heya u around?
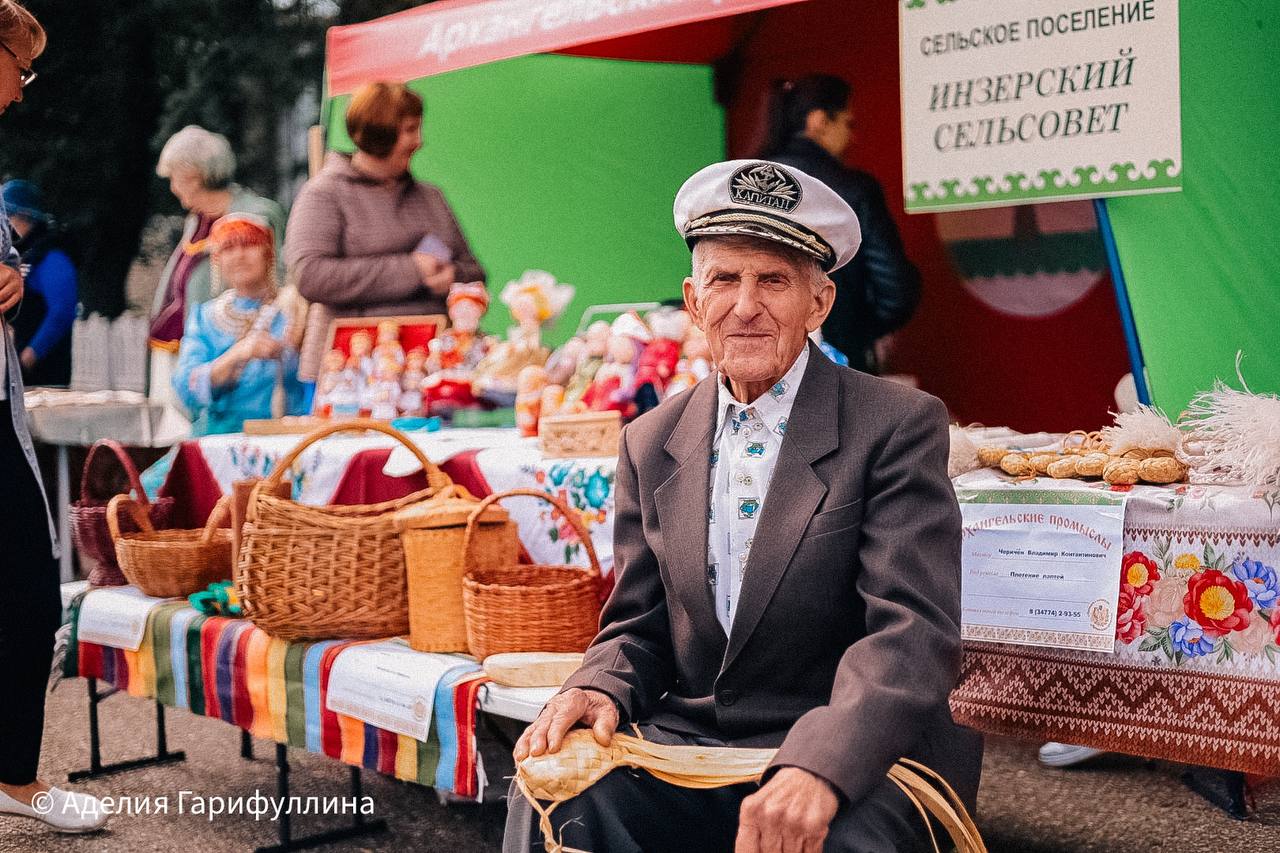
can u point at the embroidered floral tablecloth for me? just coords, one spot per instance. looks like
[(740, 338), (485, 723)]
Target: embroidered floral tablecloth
[(585, 485), (1195, 676)]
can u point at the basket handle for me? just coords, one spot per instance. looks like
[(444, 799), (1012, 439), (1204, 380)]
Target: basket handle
[(454, 490), (219, 515), (134, 508), (571, 517), (135, 482), (436, 478)]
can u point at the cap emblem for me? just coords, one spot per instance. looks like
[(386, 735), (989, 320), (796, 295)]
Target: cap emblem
[(765, 185)]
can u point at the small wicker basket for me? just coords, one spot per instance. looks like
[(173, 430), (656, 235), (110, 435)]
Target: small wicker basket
[(314, 573), (434, 537), (582, 434), (89, 532), (170, 563), (534, 608)]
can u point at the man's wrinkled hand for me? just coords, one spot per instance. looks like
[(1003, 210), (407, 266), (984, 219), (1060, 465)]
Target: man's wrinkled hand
[(792, 813), (565, 710)]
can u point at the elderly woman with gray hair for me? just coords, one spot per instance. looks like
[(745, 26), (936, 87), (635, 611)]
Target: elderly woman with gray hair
[(199, 165)]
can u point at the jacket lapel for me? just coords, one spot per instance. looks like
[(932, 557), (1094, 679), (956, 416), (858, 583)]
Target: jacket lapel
[(813, 431), (682, 502)]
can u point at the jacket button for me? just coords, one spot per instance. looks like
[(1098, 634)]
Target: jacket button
[(727, 696)]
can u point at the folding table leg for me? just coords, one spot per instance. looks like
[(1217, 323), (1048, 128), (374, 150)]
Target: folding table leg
[(96, 767), (1225, 789), (359, 826)]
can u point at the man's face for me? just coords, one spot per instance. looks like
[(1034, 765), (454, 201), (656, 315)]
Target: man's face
[(756, 307)]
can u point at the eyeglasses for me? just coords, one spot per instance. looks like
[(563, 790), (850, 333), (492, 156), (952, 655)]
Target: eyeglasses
[(25, 75)]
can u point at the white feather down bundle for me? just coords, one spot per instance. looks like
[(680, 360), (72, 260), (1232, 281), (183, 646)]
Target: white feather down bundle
[(963, 457), (1232, 436), (1146, 427)]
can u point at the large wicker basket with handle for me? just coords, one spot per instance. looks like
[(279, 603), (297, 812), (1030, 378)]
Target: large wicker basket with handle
[(168, 563), (89, 531), (531, 608), (316, 573)]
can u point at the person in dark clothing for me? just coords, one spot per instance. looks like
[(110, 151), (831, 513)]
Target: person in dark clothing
[(810, 126), (42, 331), (28, 543)]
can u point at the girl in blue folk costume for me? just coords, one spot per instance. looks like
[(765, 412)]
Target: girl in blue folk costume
[(239, 353)]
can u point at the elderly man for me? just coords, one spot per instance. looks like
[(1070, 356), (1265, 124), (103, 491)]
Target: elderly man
[(788, 556)]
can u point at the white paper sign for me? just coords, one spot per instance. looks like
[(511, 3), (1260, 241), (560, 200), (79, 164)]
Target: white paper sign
[(1017, 101), (1041, 573), (115, 617), (388, 685)]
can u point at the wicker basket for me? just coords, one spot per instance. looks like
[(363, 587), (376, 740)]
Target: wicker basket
[(327, 572), (580, 434), (434, 535), (89, 532), (170, 563), (538, 608)]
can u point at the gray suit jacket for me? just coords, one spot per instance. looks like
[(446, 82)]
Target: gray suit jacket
[(846, 640)]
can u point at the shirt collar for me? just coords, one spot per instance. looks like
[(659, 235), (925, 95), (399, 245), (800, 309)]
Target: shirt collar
[(772, 405)]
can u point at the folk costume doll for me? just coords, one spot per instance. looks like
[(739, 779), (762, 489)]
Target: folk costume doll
[(338, 390), (694, 365), (535, 300), (529, 387), (452, 357), (382, 395), (411, 382), (658, 361), (388, 345), (614, 387), (597, 344), (361, 354)]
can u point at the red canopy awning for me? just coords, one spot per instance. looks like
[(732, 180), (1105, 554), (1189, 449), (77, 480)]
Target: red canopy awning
[(456, 34)]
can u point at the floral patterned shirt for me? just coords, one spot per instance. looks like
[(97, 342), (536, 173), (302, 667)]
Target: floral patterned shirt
[(744, 452)]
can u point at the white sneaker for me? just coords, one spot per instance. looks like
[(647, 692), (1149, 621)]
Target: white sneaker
[(65, 811), (1054, 754)]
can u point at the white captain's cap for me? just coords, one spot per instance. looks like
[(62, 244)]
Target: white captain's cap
[(758, 198)]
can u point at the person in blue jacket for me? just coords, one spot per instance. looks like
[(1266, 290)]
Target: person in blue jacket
[(42, 331), (239, 354)]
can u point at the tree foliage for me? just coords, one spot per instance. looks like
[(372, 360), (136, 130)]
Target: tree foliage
[(119, 76)]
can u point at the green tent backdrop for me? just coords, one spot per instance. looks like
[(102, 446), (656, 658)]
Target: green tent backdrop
[(567, 164), (611, 140), (1203, 265)]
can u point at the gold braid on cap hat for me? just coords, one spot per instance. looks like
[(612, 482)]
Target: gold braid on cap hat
[(793, 234)]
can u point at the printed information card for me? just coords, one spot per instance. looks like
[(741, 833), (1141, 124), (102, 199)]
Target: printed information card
[(389, 685), (1041, 571)]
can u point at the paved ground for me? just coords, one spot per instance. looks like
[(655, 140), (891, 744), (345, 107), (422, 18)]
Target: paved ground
[(1116, 805)]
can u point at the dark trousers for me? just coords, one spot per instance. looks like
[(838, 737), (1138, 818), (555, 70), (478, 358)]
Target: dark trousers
[(634, 812), (30, 610)]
